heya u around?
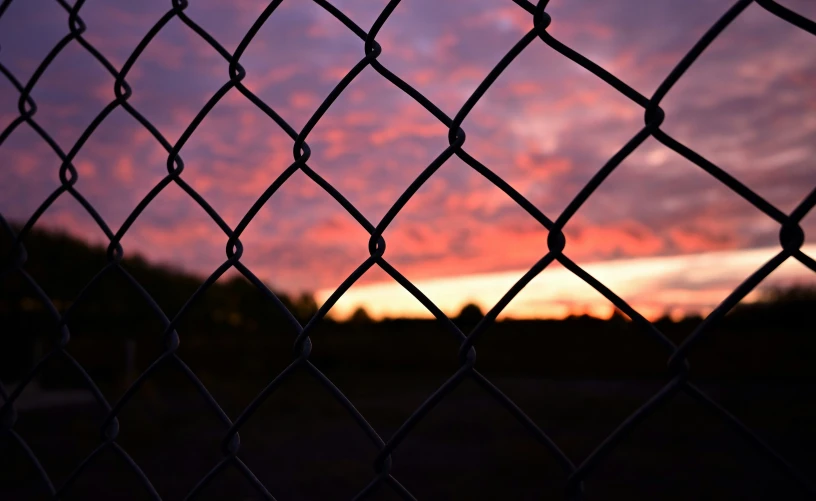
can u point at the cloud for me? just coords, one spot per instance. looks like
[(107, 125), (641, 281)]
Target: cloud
[(546, 126)]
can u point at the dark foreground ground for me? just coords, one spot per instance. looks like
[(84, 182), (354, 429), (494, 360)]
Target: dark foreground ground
[(303, 446)]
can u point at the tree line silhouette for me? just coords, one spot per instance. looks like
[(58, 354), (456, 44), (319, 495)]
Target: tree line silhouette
[(233, 332)]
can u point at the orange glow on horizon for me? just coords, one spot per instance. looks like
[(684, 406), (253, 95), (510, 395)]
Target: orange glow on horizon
[(654, 286)]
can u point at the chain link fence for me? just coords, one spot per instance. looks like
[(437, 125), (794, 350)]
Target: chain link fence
[(791, 238)]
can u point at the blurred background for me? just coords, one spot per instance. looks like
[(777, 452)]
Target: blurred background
[(668, 238)]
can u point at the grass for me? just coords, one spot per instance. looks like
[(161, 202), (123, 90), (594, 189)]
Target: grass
[(303, 445)]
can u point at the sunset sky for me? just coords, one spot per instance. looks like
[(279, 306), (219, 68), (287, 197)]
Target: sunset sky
[(660, 232)]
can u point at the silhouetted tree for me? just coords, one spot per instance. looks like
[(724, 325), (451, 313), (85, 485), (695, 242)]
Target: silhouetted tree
[(469, 316), (360, 316), (304, 307), (767, 338), (618, 318), (795, 294)]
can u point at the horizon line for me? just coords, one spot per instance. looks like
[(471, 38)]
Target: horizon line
[(677, 285)]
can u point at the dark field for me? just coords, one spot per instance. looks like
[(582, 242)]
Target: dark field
[(578, 379), (303, 445)]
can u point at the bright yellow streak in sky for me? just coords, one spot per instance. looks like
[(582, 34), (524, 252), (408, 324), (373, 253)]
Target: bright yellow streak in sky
[(692, 283)]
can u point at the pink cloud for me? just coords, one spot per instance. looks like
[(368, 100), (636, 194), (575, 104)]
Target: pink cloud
[(303, 100), (124, 170), (86, 170), (546, 126), (625, 238)]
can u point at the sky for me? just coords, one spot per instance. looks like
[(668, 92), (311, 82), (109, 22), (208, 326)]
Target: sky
[(666, 235)]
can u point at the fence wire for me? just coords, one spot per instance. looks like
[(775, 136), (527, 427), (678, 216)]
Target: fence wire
[(791, 238)]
